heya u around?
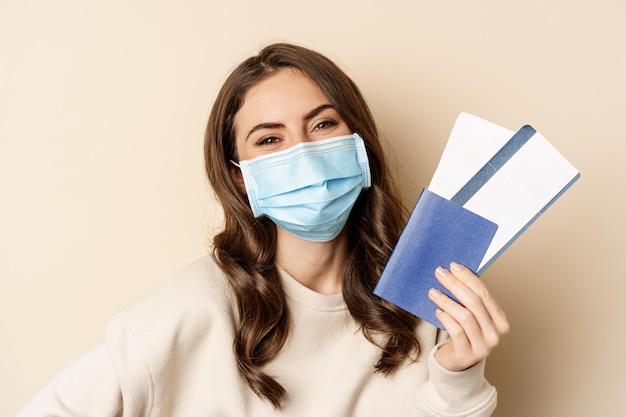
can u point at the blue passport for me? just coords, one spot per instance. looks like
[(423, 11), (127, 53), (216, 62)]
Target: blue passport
[(437, 233)]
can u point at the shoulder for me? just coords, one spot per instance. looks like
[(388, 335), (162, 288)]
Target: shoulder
[(153, 339), (185, 306), (199, 285)]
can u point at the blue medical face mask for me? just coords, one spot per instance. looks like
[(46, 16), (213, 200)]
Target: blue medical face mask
[(310, 188)]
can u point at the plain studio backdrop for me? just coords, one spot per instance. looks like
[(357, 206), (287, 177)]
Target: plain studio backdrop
[(102, 111)]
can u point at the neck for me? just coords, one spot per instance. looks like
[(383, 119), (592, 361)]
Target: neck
[(316, 265)]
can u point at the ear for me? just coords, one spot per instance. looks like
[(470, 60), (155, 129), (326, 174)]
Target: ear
[(235, 174)]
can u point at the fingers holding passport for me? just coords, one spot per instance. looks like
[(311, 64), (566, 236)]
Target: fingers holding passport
[(475, 326)]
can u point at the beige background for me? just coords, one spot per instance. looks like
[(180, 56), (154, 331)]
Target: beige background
[(102, 111)]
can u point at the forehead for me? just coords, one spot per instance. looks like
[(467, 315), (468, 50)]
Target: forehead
[(284, 94)]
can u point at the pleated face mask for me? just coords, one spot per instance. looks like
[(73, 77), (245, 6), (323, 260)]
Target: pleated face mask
[(309, 189)]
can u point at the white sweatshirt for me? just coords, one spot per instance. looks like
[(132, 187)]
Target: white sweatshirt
[(170, 354)]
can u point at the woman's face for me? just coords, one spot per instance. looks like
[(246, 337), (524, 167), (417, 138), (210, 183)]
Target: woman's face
[(281, 111)]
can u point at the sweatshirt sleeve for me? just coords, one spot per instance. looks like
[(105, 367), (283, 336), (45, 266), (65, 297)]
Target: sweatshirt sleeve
[(88, 387), (113, 380), (455, 394)]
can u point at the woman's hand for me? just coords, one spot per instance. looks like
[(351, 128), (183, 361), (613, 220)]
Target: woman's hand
[(475, 326)]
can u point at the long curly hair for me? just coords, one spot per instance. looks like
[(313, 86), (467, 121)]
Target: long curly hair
[(245, 249)]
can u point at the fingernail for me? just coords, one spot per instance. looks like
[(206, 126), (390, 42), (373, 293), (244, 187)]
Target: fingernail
[(434, 293), (455, 266), (441, 271)]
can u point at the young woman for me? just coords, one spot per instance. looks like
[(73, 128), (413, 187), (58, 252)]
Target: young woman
[(281, 320)]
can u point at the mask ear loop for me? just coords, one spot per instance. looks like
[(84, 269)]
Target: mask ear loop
[(235, 163)]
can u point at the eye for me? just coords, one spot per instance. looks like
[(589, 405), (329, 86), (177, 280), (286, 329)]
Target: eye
[(325, 124), (267, 140)]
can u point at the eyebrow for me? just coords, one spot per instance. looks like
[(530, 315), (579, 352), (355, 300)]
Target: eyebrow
[(274, 125)]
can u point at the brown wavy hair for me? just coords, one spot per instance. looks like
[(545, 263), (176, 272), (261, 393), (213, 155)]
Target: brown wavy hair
[(245, 249)]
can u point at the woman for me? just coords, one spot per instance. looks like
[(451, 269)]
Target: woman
[(282, 319)]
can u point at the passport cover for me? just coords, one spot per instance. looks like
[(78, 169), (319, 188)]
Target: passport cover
[(437, 233)]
